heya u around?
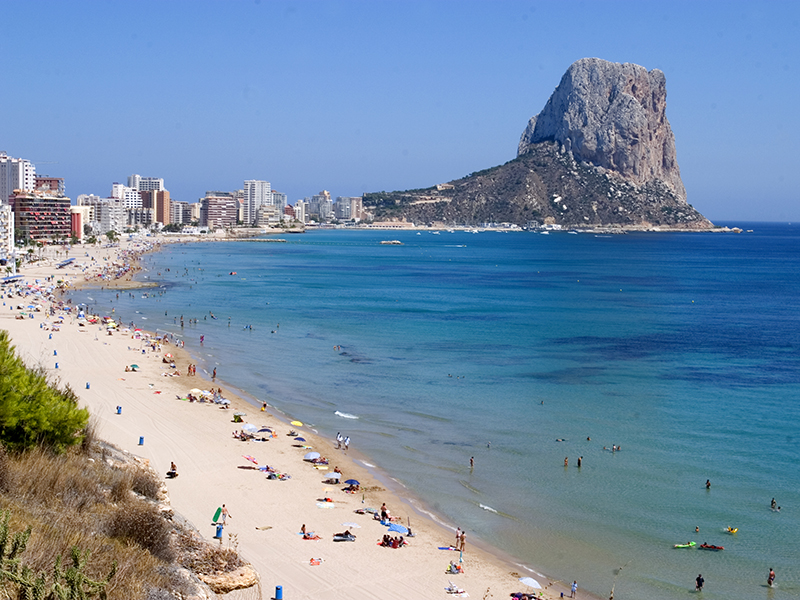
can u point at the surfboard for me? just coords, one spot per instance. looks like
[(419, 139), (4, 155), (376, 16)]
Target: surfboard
[(217, 514)]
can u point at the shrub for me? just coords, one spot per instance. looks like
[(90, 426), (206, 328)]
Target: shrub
[(142, 524)]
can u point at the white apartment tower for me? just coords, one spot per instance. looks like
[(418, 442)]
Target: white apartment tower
[(15, 174), (146, 184), (256, 194), (130, 196)]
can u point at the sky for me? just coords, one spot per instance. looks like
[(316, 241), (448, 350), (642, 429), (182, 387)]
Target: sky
[(356, 97)]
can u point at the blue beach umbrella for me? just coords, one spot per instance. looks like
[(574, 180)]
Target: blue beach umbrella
[(352, 482), (398, 528), (263, 429), (311, 456), (299, 439)]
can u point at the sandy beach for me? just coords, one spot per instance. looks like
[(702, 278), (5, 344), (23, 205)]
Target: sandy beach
[(266, 515)]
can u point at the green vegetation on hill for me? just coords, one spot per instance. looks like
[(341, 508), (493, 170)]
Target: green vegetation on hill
[(33, 412)]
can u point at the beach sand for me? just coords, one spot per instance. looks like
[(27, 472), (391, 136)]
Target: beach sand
[(265, 515)]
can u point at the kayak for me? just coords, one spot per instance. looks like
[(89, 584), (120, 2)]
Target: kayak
[(689, 545), (731, 529), (711, 547)]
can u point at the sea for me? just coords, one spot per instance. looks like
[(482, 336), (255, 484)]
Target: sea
[(528, 352)]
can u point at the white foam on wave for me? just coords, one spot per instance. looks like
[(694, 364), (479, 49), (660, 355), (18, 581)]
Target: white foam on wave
[(489, 508), (366, 464), (345, 415)]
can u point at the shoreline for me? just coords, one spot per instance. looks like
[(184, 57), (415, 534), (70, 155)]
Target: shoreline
[(494, 566)]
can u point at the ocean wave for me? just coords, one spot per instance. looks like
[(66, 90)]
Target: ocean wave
[(344, 415), (489, 508), (366, 464)]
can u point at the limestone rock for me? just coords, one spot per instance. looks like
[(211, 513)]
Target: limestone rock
[(222, 583), (613, 116)]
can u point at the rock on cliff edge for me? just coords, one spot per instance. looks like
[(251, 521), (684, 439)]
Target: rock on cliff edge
[(611, 115)]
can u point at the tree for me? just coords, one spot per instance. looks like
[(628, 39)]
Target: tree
[(87, 229), (112, 236), (73, 238), (32, 411), (91, 239)]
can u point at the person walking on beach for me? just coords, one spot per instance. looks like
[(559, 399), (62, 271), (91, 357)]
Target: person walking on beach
[(574, 589), (338, 441), (225, 514), (346, 443), (698, 583), (463, 541), (771, 577), (458, 538), (214, 374)]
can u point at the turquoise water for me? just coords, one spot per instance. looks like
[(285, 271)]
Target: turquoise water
[(680, 348)]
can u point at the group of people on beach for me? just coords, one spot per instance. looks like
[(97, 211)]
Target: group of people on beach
[(342, 441)]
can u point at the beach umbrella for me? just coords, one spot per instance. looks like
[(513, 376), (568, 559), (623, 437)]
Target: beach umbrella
[(195, 391), (168, 355), (249, 428), (297, 439), (351, 525), (530, 582), (239, 414), (333, 475), (134, 366), (311, 456), (402, 529), (225, 402), (296, 423), (352, 482), (263, 429)]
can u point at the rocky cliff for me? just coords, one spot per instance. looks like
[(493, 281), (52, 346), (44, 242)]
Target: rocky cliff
[(600, 153), (613, 116)]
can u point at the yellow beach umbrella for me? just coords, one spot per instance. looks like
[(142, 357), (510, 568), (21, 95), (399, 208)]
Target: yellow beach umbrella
[(296, 423)]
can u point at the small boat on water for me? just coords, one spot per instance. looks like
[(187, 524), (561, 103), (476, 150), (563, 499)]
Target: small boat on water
[(686, 545), (731, 530), (711, 547)]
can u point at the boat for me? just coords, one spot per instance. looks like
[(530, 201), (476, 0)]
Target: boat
[(686, 545), (731, 529), (711, 547), (392, 242)]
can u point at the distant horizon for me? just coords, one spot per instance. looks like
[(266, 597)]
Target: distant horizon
[(356, 97)]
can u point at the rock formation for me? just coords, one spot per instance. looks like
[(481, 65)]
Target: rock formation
[(613, 116), (601, 153)]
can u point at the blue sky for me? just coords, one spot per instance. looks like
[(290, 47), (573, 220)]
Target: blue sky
[(369, 96)]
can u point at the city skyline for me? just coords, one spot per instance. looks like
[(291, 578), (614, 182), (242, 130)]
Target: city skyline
[(359, 97)]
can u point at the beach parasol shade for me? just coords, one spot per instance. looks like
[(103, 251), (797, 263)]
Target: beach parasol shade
[(249, 428), (311, 456), (195, 391), (225, 402), (352, 482), (398, 528), (135, 366), (530, 582), (351, 525), (297, 423), (333, 475), (297, 439), (263, 429), (239, 414)]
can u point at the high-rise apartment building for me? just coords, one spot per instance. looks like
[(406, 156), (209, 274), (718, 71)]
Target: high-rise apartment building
[(15, 174), (50, 184), (300, 210), (219, 210), (257, 193), (160, 202), (131, 197), (107, 214), (6, 231), (41, 215), (146, 184)]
